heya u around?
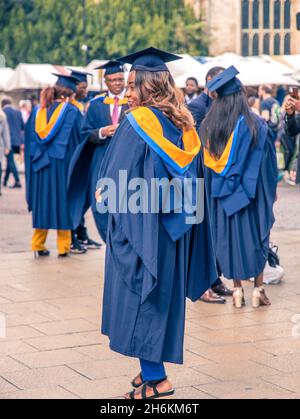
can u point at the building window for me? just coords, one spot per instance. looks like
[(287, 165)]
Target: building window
[(267, 27), (266, 14), (267, 44), (287, 44), (277, 44), (255, 45), (245, 14), (245, 45), (287, 14), (255, 11), (277, 14)]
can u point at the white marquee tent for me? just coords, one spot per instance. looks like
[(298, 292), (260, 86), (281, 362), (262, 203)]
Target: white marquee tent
[(283, 70), (253, 70), (5, 74)]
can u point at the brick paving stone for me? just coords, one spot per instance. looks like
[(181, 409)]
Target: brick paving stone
[(53, 358), (40, 393), (38, 377)]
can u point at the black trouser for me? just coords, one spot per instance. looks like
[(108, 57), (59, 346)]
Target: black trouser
[(289, 145), (218, 281), (80, 232), (11, 168)]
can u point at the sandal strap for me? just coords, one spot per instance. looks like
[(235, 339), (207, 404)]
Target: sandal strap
[(144, 391), (131, 395)]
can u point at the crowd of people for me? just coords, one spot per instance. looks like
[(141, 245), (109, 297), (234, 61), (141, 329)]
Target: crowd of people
[(271, 103), (227, 135)]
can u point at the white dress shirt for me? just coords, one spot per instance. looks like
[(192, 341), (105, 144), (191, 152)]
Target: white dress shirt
[(112, 96)]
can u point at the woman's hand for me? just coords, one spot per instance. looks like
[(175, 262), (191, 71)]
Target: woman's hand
[(292, 105), (98, 195)]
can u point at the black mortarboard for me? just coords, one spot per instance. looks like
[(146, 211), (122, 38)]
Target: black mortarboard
[(226, 83), (66, 81), (80, 75), (150, 59), (112, 67)]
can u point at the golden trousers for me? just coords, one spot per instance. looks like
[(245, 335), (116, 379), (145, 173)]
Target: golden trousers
[(63, 240)]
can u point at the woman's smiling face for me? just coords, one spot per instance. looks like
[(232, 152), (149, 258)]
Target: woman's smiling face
[(131, 92)]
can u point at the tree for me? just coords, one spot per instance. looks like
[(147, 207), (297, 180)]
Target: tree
[(54, 31)]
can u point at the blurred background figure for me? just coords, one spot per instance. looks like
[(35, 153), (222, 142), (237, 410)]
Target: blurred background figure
[(16, 128), (25, 107), (254, 104), (292, 124), (288, 143), (270, 109), (4, 142), (191, 90)]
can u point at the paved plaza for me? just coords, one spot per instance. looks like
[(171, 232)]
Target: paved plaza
[(50, 313)]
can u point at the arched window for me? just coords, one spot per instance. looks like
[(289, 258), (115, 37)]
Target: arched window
[(287, 44), (245, 45), (277, 14), (277, 41), (266, 14), (255, 11), (267, 44), (255, 45), (245, 14), (287, 14)]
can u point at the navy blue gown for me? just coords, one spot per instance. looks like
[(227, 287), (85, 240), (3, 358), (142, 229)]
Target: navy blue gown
[(153, 261), (47, 167), (86, 163), (242, 204)]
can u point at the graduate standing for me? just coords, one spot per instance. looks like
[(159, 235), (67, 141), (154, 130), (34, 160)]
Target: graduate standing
[(154, 260), (80, 239), (104, 114), (52, 134), (241, 158)]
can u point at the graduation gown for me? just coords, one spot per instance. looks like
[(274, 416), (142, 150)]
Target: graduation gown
[(153, 261), (86, 163), (242, 186), (47, 163)]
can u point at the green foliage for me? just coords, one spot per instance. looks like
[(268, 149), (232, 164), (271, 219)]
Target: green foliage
[(53, 31)]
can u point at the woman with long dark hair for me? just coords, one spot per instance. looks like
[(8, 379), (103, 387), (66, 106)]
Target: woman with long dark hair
[(241, 160), (154, 258), (52, 134)]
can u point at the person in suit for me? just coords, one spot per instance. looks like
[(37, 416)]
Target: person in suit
[(16, 128), (100, 123)]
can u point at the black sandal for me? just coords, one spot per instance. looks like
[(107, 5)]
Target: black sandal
[(156, 394), (133, 382)]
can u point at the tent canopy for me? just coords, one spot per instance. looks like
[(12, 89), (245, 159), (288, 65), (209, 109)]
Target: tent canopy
[(35, 76), (254, 71), (5, 74), (282, 70)]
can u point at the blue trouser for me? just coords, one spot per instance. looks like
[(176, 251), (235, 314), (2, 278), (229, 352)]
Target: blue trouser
[(151, 371), (11, 168)]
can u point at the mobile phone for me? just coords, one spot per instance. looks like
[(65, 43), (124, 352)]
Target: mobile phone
[(294, 93)]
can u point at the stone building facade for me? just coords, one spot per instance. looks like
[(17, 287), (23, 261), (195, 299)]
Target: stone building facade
[(250, 27)]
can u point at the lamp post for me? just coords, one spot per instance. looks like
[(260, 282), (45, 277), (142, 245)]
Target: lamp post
[(85, 47), (85, 50)]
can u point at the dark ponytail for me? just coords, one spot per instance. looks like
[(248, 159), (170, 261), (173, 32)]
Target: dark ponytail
[(50, 94)]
